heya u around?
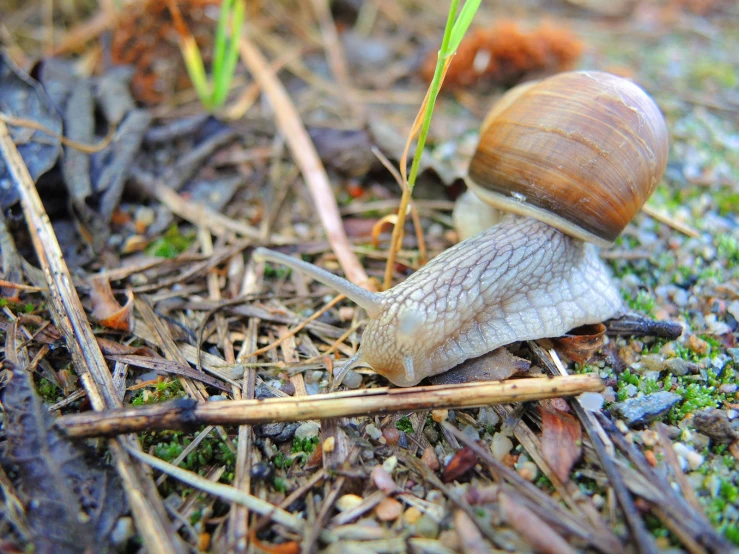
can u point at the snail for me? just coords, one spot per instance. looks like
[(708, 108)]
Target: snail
[(572, 159)]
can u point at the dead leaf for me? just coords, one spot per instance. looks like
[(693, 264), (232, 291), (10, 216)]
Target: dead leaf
[(463, 461), (107, 310), (72, 504), (581, 343), (561, 441)]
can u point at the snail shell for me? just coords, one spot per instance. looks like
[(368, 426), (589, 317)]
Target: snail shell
[(581, 151)]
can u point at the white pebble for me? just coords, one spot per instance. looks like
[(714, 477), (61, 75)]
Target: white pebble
[(591, 401), (500, 446), (694, 459), (373, 432)]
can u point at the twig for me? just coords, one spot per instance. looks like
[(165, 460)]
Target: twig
[(304, 152), (228, 493), (638, 326), (186, 413), (669, 221), (69, 317)]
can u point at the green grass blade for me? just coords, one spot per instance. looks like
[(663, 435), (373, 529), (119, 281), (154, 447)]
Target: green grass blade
[(462, 24), (231, 58), (219, 49)]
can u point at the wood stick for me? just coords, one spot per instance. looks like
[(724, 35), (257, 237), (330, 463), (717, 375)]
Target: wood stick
[(69, 317), (187, 413)]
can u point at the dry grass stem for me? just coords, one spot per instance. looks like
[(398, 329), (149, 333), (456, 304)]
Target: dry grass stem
[(69, 317), (306, 157)]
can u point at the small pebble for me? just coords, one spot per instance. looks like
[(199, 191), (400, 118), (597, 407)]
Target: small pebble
[(653, 362), (598, 501), (373, 432), (352, 380), (698, 345), (329, 444), (471, 432), (390, 464), (389, 509), (500, 446), (348, 502), (694, 459), (429, 458), (636, 411), (427, 527), (412, 515), (681, 367), (307, 430), (591, 401), (439, 415), (391, 434), (528, 471), (383, 480), (649, 437)]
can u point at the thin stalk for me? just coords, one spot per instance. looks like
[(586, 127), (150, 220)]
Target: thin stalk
[(442, 63)]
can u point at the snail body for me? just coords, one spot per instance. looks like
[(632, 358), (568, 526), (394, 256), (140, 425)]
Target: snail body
[(537, 272)]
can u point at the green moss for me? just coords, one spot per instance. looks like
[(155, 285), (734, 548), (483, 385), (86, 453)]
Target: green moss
[(161, 392), (279, 485), (404, 424), (643, 302), (696, 396), (171, 244), (47, 390), (306, 445)]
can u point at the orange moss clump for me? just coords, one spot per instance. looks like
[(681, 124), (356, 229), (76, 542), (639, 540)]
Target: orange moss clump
[(146, 39), (505, 54)]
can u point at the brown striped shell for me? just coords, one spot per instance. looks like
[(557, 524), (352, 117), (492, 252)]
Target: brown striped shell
[(581, 151)]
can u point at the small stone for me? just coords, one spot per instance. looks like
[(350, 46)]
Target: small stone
[(641, 410), (649, 437), (591, 401), (598, 501), (439, 416), (352, 380), (389, 509), (427, 527), (528, 471), (500, 446), (698, 345), (329, 444), (122, 531), (262, 472), (348, 502), (715, 424), (390, 464), (429, 458), (609, 395), (315, 376), (373, 432), (681, 367), (412, 515), (734, 353), (383, 480), (471, 432), (653, 362), (307, 430), (391, 434), (346, 313), (312, 388), (488, 416)]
